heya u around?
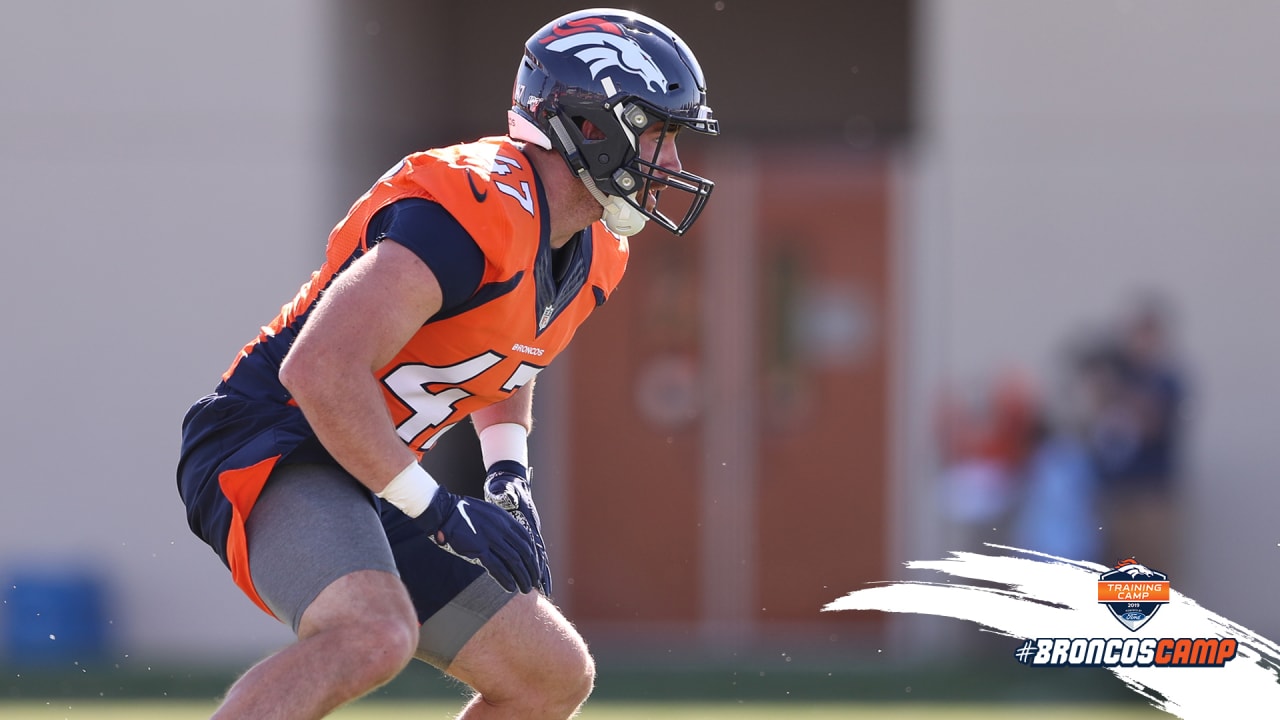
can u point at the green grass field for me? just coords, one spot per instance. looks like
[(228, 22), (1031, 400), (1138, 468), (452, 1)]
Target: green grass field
[(435, 710), (754, 689)]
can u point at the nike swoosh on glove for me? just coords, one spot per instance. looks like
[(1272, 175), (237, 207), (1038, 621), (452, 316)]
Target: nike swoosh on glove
[(507, 486), (481, 534)]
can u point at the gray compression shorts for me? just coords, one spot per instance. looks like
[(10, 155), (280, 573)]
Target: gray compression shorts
[(313, 524)]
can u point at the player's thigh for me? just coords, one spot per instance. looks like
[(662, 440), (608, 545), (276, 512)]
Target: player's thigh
[(527, 645), (312, 526)]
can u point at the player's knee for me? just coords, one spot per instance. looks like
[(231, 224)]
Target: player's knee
[(555, 683), (366, 623), (582, 679), (382, 647), (566, 676)]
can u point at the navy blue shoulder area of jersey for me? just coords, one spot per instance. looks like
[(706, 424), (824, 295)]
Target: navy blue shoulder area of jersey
[(434, 235)]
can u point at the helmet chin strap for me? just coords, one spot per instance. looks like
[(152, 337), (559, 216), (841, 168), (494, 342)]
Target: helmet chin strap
[(620, 216)]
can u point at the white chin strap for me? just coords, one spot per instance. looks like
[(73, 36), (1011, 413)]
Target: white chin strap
[(619, 215)]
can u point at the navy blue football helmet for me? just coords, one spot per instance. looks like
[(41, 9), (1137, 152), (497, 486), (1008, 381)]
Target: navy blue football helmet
[(623, 73)]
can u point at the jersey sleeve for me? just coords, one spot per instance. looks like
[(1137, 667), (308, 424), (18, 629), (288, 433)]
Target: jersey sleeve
[(436, 237)]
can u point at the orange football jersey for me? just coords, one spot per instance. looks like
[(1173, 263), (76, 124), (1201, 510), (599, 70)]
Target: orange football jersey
[(524, 312), (518, 320)]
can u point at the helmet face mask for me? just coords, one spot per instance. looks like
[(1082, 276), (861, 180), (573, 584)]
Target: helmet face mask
[(625, 74)]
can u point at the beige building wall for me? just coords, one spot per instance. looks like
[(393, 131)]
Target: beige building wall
[(159, 170)]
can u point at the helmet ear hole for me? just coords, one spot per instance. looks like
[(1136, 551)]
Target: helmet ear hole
[(589, 129)]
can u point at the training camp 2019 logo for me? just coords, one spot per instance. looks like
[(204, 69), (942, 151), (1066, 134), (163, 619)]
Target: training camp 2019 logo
[(1132, 593)]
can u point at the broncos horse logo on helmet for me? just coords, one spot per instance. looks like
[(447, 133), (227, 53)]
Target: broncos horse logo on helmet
[(624, 73), (602, 45)]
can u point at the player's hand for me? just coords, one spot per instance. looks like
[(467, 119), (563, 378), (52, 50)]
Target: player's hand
[(507, 486), (481, 534)]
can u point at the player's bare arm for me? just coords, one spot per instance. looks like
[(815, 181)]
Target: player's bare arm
[(518, 409), (360, 323), (503, 429)]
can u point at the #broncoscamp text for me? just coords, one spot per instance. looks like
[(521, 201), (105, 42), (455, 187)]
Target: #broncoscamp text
[(1127, 652)]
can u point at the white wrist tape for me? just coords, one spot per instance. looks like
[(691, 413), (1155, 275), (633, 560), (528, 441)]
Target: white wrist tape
[(411, 490), (504, 441)]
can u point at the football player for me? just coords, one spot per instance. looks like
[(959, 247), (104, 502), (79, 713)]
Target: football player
[(444, 291)]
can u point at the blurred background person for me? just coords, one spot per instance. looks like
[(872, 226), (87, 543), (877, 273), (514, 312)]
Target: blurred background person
[(1058, 508), (1137, 437), (987, 435)]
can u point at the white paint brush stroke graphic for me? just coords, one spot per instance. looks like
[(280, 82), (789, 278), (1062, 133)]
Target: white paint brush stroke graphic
[(1048, 596)]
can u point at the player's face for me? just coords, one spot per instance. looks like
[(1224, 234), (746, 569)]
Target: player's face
[(657, 144)]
